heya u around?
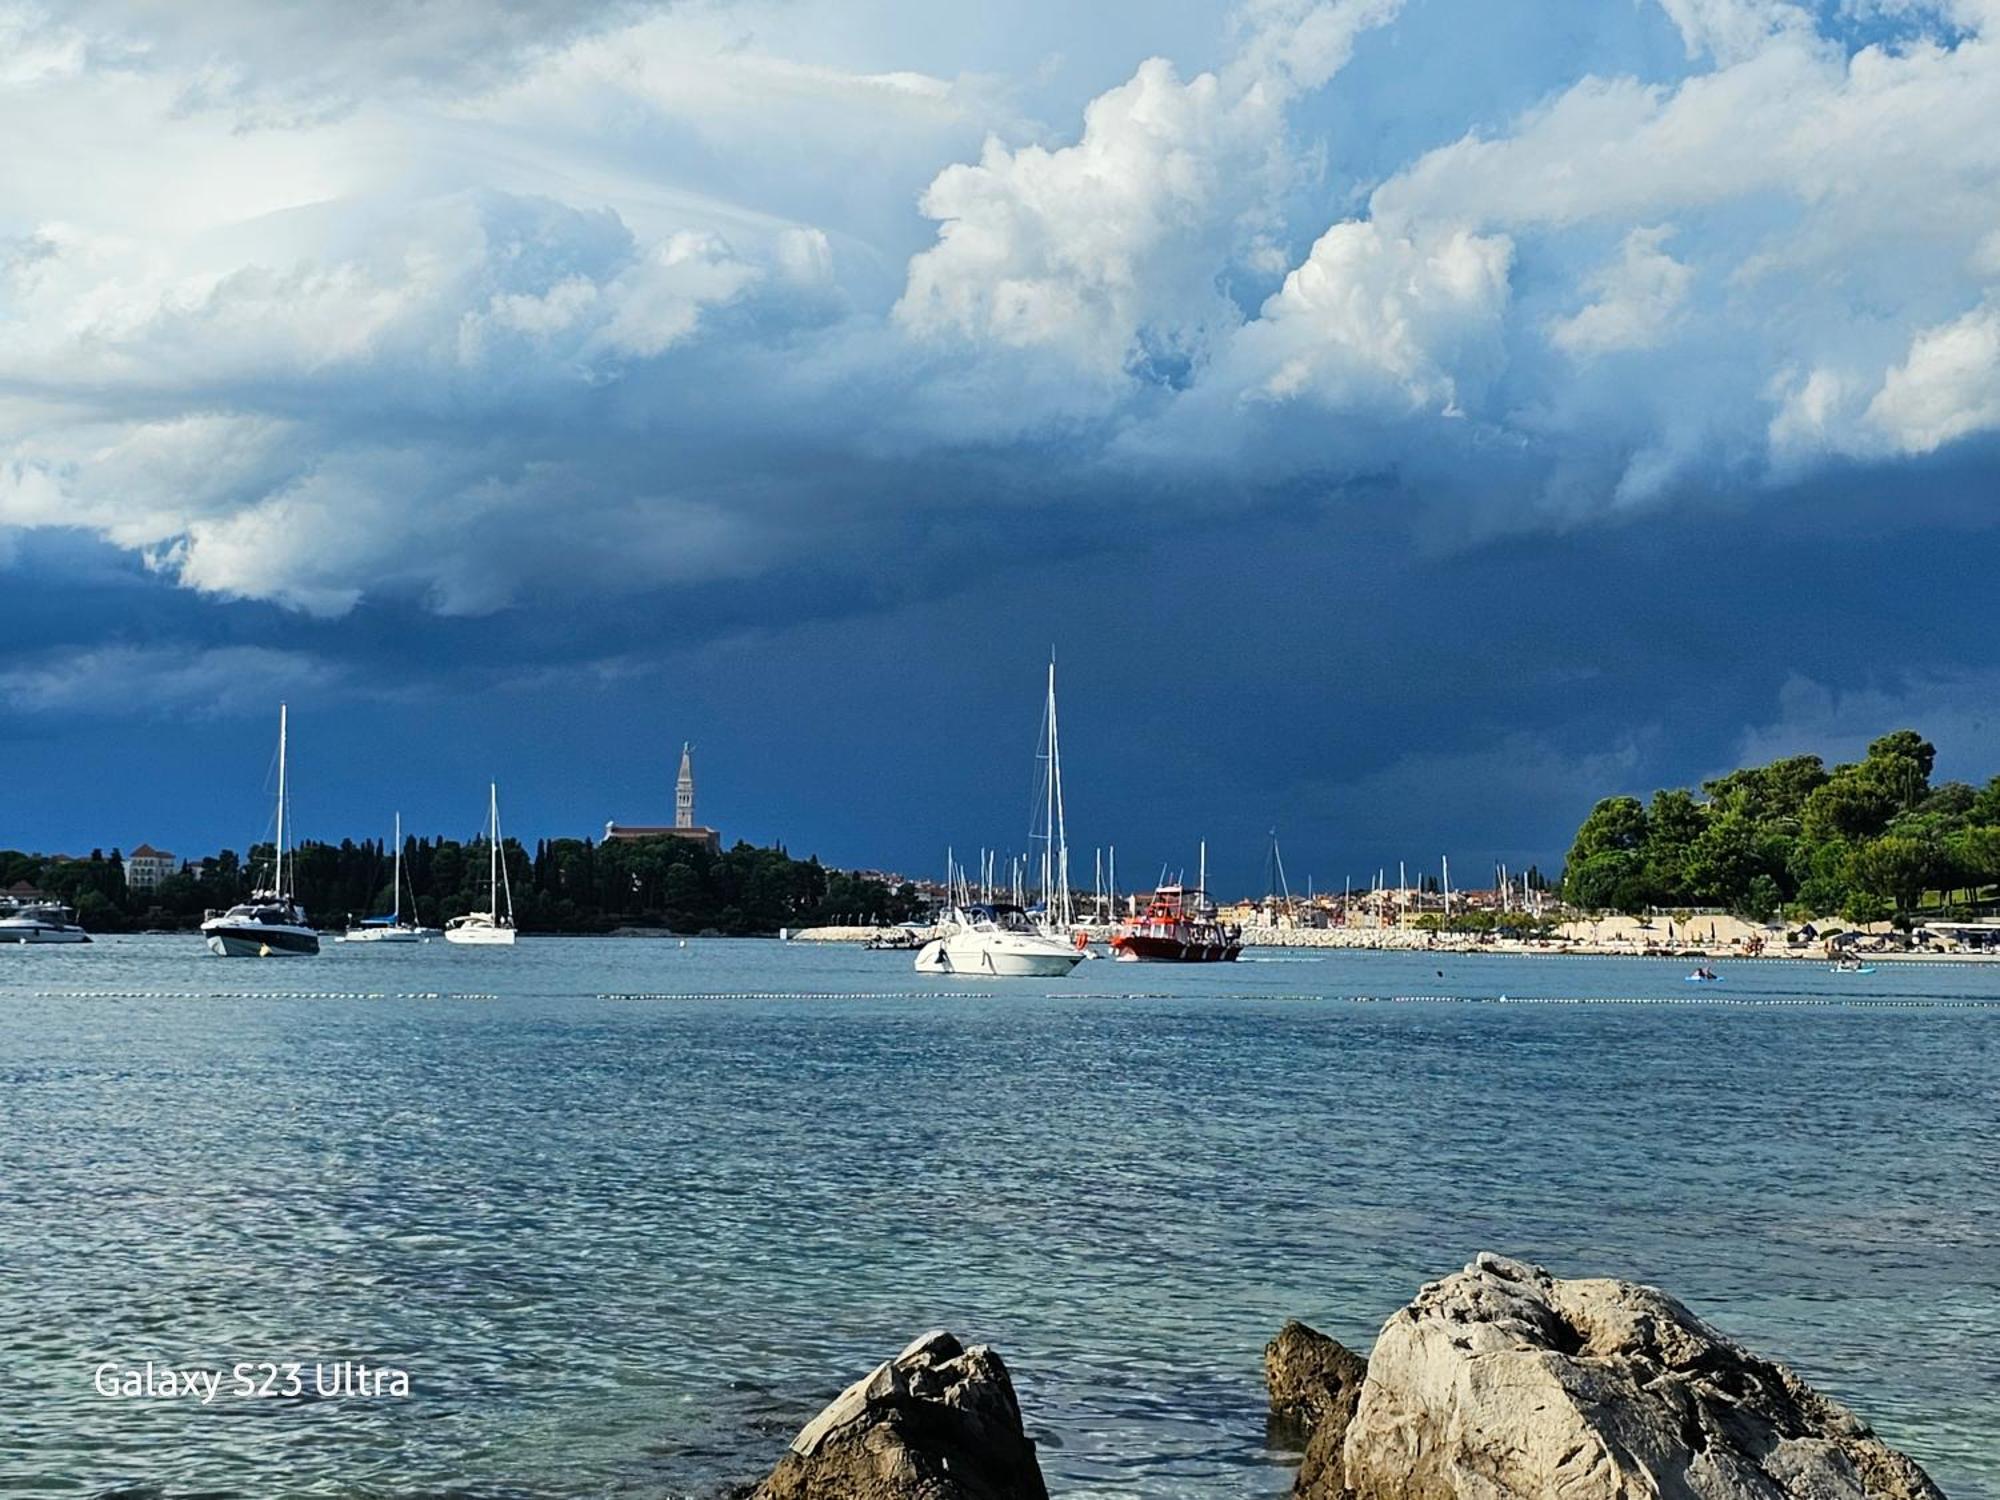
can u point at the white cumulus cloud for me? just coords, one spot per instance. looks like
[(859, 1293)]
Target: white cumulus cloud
[(1638, 299)]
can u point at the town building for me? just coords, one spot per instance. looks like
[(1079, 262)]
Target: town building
[(146, 867), (683, 827)]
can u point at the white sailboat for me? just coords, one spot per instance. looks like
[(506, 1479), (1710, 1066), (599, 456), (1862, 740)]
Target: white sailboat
[(271, 924), (494, 926), (392, 928), (1057, 918)]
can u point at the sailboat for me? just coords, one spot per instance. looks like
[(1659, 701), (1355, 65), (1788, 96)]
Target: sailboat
[(392, 928), (494, 925), (271, 924), (1056, 918)]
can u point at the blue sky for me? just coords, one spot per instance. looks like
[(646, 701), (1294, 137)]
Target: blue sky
[(1406, 421)]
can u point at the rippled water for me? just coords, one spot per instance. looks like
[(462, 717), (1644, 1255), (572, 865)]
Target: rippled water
[(629, 1212)]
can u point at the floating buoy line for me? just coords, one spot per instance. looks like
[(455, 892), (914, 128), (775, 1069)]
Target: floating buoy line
[(264, 995)]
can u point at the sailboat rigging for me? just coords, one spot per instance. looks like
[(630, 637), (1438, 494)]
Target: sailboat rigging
[(393, 928), (271, 924), (495, 925)]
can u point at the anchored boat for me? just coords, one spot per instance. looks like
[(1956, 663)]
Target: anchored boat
[(1178, 926), (495, 925), (392, 928), (271, 924), (997, 941), (40, 922)]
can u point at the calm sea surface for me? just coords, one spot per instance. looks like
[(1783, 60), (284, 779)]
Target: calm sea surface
[(629, 1212)]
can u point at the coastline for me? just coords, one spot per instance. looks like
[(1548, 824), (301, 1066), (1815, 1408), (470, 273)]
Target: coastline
[(1409, 940)]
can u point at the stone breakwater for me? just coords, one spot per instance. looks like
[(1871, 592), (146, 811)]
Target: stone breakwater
[(899, 935), (1501, 1382)]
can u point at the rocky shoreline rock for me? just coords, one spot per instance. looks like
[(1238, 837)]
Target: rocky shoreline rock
[(937, 1422), (1315, 1386), (1501, 1382), (1504, 1382)]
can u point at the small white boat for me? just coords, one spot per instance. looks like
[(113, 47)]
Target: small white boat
[(392, 928), (495, 926), (40, 922), (995, 941), (271, 924)]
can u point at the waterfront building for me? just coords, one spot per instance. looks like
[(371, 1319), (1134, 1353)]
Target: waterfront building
[(146, 867), (684, 826)]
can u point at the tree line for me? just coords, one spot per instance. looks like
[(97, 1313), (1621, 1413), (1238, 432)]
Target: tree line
[(1866, 841), (563, 885)]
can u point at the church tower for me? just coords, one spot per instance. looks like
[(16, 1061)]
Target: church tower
[(684, 789)]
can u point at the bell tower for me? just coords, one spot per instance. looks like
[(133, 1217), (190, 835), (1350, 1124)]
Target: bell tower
[(684, 789)]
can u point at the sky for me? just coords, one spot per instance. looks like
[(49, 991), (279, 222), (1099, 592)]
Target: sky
[(1406, 421)]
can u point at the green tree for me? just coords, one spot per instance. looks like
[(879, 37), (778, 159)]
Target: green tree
[(1896, 868), (1674, 824), (1723, 861)]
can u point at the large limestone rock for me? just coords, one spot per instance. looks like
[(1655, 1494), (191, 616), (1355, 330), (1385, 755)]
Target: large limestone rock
[(937, 1422), (1315, 1384), (1505, 1383)]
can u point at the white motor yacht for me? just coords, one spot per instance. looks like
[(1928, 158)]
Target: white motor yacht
[(494, 926), (995, 941), (40, 922), (271, 924)]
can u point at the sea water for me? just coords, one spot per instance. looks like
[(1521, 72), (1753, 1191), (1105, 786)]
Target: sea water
[(626, 1213)]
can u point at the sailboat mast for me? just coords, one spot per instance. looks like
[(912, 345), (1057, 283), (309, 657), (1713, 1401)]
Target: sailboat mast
[(279, 853), (1056, 886), (493, 844), (396, 900)]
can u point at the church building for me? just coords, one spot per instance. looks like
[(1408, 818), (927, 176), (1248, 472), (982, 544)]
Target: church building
[(684, 825)]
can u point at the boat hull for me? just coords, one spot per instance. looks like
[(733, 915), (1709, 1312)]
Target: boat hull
[(1138, 949), (381, 935), (480, 937), (253, 941), (985, 961), (41, 934)]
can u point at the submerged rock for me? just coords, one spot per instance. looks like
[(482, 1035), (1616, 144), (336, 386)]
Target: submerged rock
[(1506, 1383), (1315, 1384), (937, 1422)]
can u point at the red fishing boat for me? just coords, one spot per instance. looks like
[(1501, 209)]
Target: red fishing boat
[(1177, 927)]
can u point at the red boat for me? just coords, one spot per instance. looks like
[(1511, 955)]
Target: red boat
[(1178, 927)]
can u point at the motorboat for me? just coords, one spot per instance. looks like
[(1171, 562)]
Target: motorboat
[(493, 927), (994, 940), (40, 922), (266, 926), (271, 924), (393, 928), (1178, 926)]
